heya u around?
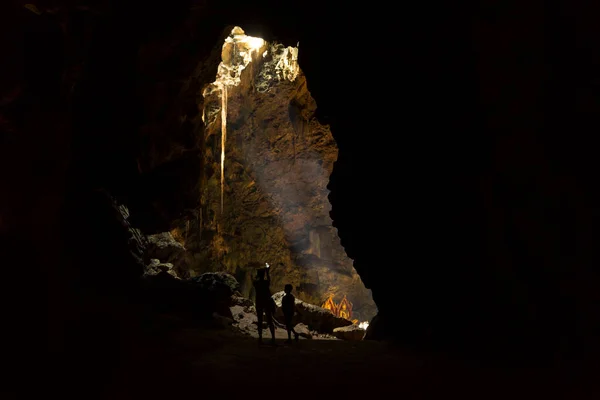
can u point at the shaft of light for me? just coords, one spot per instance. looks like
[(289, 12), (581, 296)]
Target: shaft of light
[(223, 138)]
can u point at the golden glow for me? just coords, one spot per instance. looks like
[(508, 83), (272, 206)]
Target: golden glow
[(330, 305), (343, 309), (178, 235), (287, 66), (223, 137), (254, 43), (238, 51), (236, 55)]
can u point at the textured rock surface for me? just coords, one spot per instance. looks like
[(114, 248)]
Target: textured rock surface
[(486, 175), (163, 246), (278, 159), (217, 282), (303, 331), (351, 332), (316, 318), (156, 267)]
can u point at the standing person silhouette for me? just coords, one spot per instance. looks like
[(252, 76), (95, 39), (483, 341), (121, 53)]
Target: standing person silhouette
[(288, 305), (264, 302)]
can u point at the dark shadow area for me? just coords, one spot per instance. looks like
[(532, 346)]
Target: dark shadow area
[(465, 191)]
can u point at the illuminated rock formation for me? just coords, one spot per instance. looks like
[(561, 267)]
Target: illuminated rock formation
[(266, 162)]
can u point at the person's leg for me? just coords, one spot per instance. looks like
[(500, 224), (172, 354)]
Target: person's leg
[(269, 317), (292, 330), (288, 326), (259, 316)]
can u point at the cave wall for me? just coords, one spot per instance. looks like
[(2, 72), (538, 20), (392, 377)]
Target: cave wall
[(491, 250), (464, 188), (278, 159), (129, 80)]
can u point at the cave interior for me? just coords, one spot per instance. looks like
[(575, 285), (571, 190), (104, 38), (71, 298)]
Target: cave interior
[(436, 168)]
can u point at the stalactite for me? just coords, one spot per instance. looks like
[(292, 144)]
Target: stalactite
[(223, 138), (239, 51)]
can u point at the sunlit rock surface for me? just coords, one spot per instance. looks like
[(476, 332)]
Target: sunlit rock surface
[(351, 332), (264, 198)]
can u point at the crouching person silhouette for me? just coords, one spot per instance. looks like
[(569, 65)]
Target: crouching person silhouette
[(288, 306), (264, 302)]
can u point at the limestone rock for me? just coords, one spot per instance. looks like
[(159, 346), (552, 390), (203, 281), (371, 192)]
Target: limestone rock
[(156, 267), (220, 282), (163, 246), (316, 318), (351, 332), (137, 242), (303, 331), (243, 302), (272, 204)]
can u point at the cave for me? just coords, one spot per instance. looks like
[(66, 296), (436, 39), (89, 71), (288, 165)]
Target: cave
[(434, 166), (263, 184)]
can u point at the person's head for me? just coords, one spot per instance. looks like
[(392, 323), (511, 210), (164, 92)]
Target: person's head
[(260, 273), (287, 288)]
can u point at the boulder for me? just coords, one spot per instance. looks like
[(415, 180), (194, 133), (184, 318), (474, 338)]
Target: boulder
[(244, 302), (200, 296), (218, 289), (156, 267), (316, 318), (352, 332), (163, 246), (217, 282), (303, 331)]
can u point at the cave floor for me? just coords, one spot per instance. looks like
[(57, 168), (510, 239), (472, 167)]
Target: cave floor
[(199, 362)]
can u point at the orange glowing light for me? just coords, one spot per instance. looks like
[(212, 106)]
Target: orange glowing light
[(342, 310)]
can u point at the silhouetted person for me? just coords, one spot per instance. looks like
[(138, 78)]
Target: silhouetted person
[(288, 305), (264, 302)]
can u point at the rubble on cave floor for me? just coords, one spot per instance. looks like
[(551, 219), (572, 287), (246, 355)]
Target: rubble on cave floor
[(246, 323), (220, 356), (212, 301)]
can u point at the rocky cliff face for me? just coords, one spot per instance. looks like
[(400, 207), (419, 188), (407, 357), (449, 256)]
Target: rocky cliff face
[(114, 99), (264, 199)]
